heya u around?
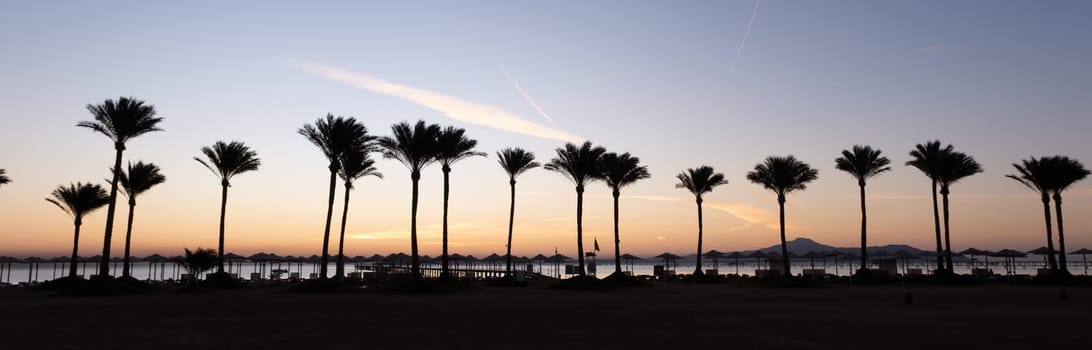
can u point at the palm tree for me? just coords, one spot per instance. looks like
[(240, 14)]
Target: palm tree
[(783, 175), (121, 121), (620, 171), (335, 136), (863, 163), (1070, 171), (3, 177), (415, 147), (78, 200), (198, 261), (1046, 176), (354, 165), (927, 158), (953, 167), (581, 165), (515, 161), (226, 160), (139, 178), (699, 181), (453, 147)]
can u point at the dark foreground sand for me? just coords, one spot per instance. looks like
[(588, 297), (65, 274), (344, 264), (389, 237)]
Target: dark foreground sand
[(662, 317)]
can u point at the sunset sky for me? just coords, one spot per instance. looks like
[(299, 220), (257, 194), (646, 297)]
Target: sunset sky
[(677, 83)]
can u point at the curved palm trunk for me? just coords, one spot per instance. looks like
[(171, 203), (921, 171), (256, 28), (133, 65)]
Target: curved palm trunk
[(104, 264), (947, 232), (340, 272), (1062, 264), (326, 232), (617, 239), (415, 263), (223, 213), (784, 245), (580, 227), (75, 248), (936, 224), (864, 229), (1053, 264), (511, 222), (128, 237), (444, 271), (697, 266)]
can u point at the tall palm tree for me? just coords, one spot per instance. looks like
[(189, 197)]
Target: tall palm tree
[(335, 136), (78, 200), (354, 165), (4, 177), (121, 121), (226, 160), (783, 175), (1039, 177), (954, 167), (863, 163), (699, 181), (620, 170), (415, 147), (453, 147), (139, 178), (927, 158), (515, 161), (581, 165), (1070, 171)]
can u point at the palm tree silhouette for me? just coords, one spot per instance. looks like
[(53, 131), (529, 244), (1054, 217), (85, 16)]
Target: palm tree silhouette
[(121, 121), (226, 160), (335, 136), (1070, 171), (699, 181), (78, 200), (415, 147), (354, 165), (927, 158), (783, 175), (863, 163), (581, 165), (515, 161), (1051, 175), (954, 167), (3, 177), (620, 170), (453, 147), (139, 178)]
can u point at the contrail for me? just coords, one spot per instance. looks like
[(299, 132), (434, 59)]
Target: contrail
[(530, 100), (746, 33)]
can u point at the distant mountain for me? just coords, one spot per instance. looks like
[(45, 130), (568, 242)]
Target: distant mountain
[(802, 245)]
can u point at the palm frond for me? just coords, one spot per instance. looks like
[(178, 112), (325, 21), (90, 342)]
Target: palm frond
[(79, 199), (580, 164), (414, 146), (621, 170), (122, 119), (783, 174), (700, 180), (862, 162), (139, 178), (229, 159), (453, 146), (516, 161)]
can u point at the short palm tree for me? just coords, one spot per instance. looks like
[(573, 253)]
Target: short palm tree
[(354, 165), (620, 170), (198, 261), (783, 175), (415, 147), (453, 147), (77, 201), (927, 159), (121, 121), (954, 167), (335, 136), (699, 181), (1070, 171), (139, 178), (863, 163), (4, 177), (581, 165), (515, 161), (226, 160)]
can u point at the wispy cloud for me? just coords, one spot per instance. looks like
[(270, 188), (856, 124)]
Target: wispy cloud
[(746, 33), (750, 215), (530, 100), (454, 107)]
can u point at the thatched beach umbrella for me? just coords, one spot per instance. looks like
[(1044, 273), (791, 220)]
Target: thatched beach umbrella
[(715, 255), (1083, 252), (1044, 252), (735, 256), (60, 259), (34, 263), (972, 252), (669, 260), (812, 255), (557, 259), (1010, 259), (628, 259), (156, 259), (7, 260), (758, 255)]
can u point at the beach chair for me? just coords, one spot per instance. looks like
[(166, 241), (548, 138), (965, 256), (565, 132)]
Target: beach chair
[(294, 276), (254, 276)]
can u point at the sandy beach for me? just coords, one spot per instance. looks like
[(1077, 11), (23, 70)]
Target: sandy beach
[(665, 316)]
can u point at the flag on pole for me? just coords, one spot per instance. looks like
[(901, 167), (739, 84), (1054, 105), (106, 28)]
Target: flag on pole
[(596, 244)]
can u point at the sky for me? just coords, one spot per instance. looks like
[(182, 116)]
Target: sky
[(678, 84)]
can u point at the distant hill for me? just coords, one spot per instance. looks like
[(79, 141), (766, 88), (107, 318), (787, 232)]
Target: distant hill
[(801, 246)]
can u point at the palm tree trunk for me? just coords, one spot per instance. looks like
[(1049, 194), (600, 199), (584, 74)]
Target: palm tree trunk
[(444, 272), (864, 230), (1053, 264), (415, 265), (223, 213), (936, 224), (511, 222), (325, 260), (784, 245), (617, 239), (947, 232), (697, 266), (580, 227), (104, 264), (128, 237), (340, 272), (1062, 264), (75, 248)]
